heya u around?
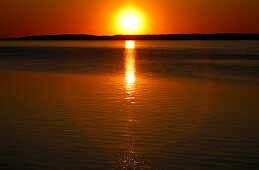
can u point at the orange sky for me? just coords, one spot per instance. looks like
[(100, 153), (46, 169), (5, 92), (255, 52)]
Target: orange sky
[(39, 17)]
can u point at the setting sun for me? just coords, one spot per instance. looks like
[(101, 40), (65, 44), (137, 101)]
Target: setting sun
[(130, 21)]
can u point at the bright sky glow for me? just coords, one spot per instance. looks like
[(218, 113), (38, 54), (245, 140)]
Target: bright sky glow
[(130, 22)]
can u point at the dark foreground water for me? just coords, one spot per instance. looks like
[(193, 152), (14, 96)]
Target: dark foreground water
[(120, 105)]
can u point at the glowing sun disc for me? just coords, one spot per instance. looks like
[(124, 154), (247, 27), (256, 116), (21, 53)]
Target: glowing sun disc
[(130, 22)]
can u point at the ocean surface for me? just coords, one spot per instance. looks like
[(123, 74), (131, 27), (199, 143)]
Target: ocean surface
[(129, 105)]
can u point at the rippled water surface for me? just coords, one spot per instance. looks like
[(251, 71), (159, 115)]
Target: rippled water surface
[(129, 105)]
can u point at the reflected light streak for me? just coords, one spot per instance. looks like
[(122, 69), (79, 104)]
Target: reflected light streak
[(130, 44), (129, 158), (130, 65)]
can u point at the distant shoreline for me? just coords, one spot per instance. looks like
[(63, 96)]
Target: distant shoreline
[(219, 36)]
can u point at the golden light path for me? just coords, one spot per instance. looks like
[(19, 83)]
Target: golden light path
[(130, 158), (130, 66)]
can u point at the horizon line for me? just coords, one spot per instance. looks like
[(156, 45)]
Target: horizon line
[(138, 36)]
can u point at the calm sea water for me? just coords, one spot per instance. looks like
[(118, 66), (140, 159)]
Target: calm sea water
[(129, 105)]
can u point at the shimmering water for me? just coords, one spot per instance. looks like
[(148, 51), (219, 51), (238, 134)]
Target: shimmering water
[(129, 105)]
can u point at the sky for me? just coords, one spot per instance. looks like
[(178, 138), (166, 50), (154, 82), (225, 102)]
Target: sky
[(20, 18)]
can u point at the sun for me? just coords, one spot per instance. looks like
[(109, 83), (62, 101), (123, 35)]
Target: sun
[(130, 21)]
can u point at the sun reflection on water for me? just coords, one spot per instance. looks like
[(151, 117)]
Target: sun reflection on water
[(130, 158), (130, 44), (130, 66)]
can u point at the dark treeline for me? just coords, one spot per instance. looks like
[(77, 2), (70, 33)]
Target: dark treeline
[(221, 36)]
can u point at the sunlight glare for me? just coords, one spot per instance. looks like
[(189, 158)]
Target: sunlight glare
[(130, 22), (130, 44), (130, 65)]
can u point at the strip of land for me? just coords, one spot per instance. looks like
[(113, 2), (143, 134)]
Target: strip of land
[(220, 36)]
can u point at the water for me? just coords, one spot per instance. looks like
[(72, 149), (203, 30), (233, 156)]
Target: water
[(129, 105)]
